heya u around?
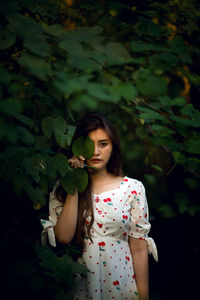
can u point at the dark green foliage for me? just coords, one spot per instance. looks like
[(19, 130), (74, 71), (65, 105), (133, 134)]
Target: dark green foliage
[(136, 62)]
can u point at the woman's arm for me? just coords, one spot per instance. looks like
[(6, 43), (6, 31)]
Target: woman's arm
[(139, 253), (67, 221)]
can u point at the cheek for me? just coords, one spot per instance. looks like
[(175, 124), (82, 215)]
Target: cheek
[(109, 152)]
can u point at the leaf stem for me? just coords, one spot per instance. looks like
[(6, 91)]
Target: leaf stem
[(87, 166)]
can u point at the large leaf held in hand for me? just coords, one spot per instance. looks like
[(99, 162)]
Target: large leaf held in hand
[(83, 146)]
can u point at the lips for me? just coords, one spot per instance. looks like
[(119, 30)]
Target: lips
[(95, 160)]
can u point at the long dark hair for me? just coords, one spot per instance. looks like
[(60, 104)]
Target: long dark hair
[(88, 123)]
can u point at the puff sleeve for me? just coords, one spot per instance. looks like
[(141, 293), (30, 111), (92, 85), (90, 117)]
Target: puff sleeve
[(55, 208), (139, 222)]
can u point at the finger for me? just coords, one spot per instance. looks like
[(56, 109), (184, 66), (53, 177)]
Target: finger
[(81, 157)]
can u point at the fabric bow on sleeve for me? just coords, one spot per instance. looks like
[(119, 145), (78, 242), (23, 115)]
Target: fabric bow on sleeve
[(48, 232), (55, 208), (152, 249)]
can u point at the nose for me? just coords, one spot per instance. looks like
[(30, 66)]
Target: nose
[(96, 150)]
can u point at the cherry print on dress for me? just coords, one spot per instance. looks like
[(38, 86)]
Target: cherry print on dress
[(108, 201), (116, 284), (124, 235), (100, 225), (125, 217), (134, 192), (101, 245), (127, 259), (97, 199)]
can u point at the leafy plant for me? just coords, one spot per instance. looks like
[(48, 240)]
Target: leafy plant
[(137, 63)]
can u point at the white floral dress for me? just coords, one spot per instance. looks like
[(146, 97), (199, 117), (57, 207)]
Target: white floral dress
[(118, 214)]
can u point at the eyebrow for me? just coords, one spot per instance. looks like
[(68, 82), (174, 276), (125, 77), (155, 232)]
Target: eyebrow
[(106, 140)]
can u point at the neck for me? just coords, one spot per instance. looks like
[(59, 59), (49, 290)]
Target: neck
[(100, 175)]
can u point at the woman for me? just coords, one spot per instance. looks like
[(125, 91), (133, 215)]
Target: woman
[(109, 221)]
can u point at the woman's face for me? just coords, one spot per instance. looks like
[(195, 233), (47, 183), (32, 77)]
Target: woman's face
[(102, 148)]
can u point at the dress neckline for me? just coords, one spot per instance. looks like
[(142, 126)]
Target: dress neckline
[(111, 189)]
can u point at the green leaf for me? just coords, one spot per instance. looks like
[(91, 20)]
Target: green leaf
[(103, 92), (179, 101), (24, 26), (6, 76), (37, 45), (150, 85), (25, 120), (153, 115), (68, 183), (39, 162), (157, 63), (117, 50), (62, 163), (7, 39), (165, 100), (141, 47), (127, 90), (47, 126), (25, 135), (83, 100), (41, 143), (52, 168), (73, 47), (35, 65), (179, 157), (83, 146), (59, 125), (190, 111), (11, 106), (70, 133), (167, 141), (61, 139), (194, 123), (32, 170), (87, 64), (81, 179), (162, 130), (158, 168), (192, 145), (178, 46)]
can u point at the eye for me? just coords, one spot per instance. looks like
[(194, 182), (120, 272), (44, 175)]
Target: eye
[(104, 144)]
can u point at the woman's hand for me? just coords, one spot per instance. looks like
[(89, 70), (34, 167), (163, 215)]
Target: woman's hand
[(77, 162)]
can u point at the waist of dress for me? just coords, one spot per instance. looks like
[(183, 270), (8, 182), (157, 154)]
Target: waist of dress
[(110, 238)]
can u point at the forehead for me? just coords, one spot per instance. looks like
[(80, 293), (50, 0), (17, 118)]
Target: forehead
[(98, 135)]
